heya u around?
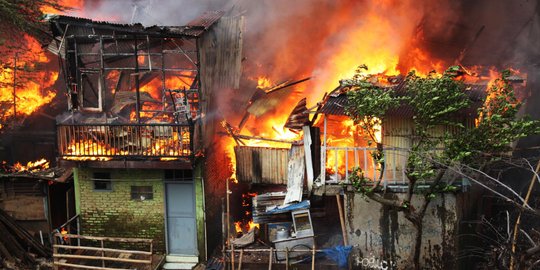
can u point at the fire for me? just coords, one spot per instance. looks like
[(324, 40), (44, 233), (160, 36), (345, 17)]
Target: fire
[(96, 150), (155, 88), (26, 89), (73, 4), (35, 166), (263, 83), (342, 132), (238, 226), (241, 227)]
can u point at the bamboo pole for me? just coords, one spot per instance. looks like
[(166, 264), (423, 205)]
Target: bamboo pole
[(313, 257), (232, 256), (270, 260), (342, 221), (101, 258), (279, 250), (240, 259), (228, 211), (518, 221)]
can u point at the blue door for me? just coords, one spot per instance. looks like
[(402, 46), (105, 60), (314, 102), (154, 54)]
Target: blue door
[(181, 226)]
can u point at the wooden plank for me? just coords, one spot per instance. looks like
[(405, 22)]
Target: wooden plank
[(309, 162), (295, 175), (113, 259), (342, 221), (87, 266), (98, 238)]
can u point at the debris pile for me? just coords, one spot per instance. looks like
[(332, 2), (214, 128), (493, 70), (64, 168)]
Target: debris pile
[(18, 249)]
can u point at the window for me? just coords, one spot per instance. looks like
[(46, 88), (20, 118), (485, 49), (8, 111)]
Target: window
[(142, 193), (178, 175), (102, 181)]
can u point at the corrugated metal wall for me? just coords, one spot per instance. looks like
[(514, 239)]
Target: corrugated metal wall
[(220, 67), (261, 165)]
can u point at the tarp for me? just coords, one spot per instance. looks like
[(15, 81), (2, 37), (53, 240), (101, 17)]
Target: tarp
[(291, 207), (339, 254)]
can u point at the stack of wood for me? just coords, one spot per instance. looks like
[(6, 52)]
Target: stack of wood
[(17, 246)]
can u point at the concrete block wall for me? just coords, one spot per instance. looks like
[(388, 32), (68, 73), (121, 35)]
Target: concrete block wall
[(114, 213), (383, 237)]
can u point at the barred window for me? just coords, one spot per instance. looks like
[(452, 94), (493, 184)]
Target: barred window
[(102, 182), (142, 193)]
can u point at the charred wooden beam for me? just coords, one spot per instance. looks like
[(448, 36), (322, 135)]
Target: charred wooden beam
[(263, 139), (279, 87)]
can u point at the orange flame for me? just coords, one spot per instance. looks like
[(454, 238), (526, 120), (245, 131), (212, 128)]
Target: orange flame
[(35, 166), (29, 83)]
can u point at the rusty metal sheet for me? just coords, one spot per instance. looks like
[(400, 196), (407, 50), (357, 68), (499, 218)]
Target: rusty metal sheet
[(197, 26), (335, 105), (84, 27), (298, 117), (261, 165)]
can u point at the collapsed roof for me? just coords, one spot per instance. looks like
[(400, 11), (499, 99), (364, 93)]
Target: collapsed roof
[(336, 101)]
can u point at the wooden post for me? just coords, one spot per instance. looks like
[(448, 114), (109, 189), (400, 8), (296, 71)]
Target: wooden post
[(270, 259), (228, 222), (232, 256), (342, 221), (313, 257), (137, 86), (240, 260), (323, 154), (286, 258), (151, 254), (55, 260), (102, 254), (223, 230)]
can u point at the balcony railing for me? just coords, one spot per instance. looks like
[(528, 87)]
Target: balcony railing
[(110, 141), (338, 162)]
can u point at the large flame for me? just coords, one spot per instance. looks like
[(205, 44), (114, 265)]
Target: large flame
[(26, 89)]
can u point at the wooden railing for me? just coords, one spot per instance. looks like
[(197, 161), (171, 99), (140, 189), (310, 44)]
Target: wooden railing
[(338, 162), (66, 256), (108, 141)]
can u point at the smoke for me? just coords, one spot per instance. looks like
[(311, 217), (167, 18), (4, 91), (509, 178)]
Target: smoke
[(146, 12), (327, 39)]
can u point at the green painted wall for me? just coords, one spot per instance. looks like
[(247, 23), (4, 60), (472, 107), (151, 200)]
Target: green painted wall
[(114, 213), (199, 208)]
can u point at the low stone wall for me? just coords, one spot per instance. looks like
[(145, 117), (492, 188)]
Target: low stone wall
[(384, 238)]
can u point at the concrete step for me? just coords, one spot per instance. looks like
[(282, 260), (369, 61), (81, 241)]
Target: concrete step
[(178, 266), (181, 259)]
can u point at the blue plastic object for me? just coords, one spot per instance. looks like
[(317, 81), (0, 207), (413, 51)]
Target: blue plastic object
[(339, 254)]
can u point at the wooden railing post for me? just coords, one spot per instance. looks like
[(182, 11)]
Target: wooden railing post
[(151, 254), (102, 254)]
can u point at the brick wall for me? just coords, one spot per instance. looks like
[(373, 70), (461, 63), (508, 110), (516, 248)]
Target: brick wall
[(114, 213)]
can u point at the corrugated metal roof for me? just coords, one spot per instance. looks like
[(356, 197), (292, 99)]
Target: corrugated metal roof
[(336, 103), (84, 26)]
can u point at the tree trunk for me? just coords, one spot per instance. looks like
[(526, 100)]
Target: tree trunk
[(415, 253)]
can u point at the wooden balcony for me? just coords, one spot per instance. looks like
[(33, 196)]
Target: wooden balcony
[(104, 142), (338, 162)]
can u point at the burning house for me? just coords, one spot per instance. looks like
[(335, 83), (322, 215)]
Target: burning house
[(135, 127)]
